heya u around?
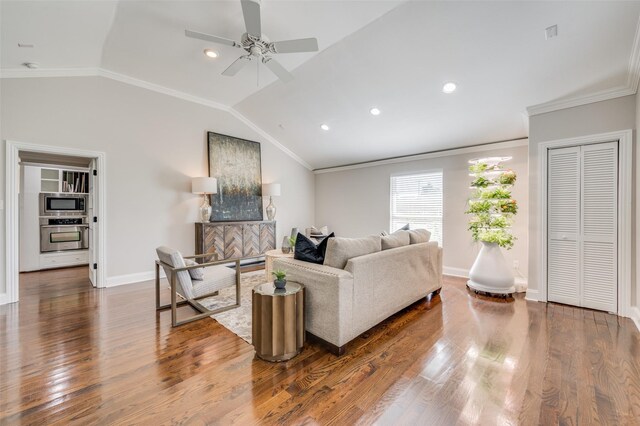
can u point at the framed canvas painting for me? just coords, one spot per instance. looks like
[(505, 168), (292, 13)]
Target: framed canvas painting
[(236, 164)]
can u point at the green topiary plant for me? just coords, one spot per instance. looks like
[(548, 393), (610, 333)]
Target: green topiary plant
[(491, 207)]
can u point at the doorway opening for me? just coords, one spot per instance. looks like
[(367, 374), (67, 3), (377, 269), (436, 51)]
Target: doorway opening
[(56, 208)]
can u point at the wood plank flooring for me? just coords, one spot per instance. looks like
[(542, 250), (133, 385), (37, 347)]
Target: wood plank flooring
[(71, 354)]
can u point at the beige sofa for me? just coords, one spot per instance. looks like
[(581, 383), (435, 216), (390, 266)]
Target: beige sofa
[(340, 304)]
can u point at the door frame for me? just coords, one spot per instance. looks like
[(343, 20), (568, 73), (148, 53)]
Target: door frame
[(625, 199), (12, 230)]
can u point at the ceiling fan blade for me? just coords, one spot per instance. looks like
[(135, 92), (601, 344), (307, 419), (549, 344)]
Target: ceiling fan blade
[(280, 71), (295, 46), (208, 37), (251, 12), (236, 66)]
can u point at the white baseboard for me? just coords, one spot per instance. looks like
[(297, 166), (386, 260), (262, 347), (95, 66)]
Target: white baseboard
[(132, 278), (634, 314), (532, 295), (455, 272)]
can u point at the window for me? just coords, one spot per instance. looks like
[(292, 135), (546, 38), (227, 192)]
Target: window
[(416, 199)]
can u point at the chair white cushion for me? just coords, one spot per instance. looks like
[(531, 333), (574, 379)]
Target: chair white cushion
[(196, 274), (215, 278), (173, 258)]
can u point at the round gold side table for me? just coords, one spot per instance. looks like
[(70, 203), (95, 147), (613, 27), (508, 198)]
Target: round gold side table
[(278, 321)]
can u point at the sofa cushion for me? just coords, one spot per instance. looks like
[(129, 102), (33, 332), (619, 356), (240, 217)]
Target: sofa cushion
[(308, 251), (397, 239), (340, 250), (418, 236), (404, 228)]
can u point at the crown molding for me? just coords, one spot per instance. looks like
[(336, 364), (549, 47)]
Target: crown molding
[(604, 95), (122, 78), (633, 77), (631, 87), (268, 137), (427, 155)]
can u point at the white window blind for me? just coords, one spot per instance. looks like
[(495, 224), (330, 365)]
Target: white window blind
[(416, 199)]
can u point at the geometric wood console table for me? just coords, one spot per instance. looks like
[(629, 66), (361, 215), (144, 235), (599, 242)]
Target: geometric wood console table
[(233, 240)]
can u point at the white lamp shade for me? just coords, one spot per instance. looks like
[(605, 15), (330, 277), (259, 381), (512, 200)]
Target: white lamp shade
[(271, 189), (204, 185)]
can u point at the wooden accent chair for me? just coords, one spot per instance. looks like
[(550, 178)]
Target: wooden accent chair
[(214, 275)]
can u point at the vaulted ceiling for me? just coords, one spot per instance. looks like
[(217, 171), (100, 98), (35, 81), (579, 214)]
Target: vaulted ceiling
[(393, 55)]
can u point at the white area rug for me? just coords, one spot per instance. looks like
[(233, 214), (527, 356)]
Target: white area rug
[(237, 320)]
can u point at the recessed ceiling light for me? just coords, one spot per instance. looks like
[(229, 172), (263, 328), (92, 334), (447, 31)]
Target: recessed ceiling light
[(449, 88), (211, 53), (324, 127), (374, 111)]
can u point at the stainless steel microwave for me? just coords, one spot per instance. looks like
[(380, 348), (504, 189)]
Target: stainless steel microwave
[(62, 204)]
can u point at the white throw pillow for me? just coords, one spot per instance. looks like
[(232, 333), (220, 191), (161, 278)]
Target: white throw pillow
[(417, 236), (340, 250), (399, 238), (323, 230), (197, 273)]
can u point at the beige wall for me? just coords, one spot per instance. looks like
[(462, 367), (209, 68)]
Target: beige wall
[(356, 203), (599, 117), (154, 144)]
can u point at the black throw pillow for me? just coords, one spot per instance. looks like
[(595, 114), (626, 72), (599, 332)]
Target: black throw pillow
[(308, 251)]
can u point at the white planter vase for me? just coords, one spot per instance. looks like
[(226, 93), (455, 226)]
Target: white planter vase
[(490, 272)]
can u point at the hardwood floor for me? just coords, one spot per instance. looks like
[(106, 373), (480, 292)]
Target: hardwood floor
[(73, 354)]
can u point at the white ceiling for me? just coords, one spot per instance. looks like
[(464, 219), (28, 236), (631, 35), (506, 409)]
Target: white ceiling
[(66, 34), (147, 40), (393, 55)]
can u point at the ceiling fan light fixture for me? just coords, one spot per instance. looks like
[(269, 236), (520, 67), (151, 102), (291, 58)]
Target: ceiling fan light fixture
[(210, 53), (449, 88), (324, 127), (374, 111), (256, 45)]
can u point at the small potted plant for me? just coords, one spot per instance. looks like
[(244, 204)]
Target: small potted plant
[(288, 244), (280, 282)]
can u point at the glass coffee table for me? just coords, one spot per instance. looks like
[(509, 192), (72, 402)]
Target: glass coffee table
[(278, 321)]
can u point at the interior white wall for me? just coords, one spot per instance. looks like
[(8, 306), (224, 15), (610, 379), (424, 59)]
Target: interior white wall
[(635, 273), (600, 117), (154, 144), (356, 202)]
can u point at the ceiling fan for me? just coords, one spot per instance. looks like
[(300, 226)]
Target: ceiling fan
[(257, 47)]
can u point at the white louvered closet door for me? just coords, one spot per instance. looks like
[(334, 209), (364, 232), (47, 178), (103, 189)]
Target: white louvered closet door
[(599, 226), (582, 221), (563, 218)]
